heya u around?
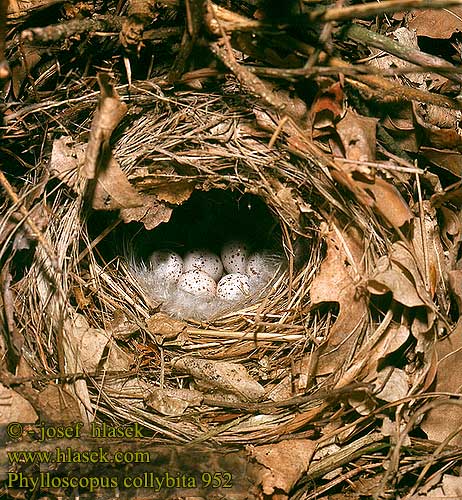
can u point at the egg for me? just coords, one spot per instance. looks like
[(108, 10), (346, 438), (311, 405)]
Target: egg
[(197, 283), (166, 265), (234, 286), (203, 260), (262, 265), (234, 256)]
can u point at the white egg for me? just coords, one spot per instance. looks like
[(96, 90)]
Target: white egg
[(166, 265), (263, 265), (234, 256), (203, 260), (197, 283), (234, 286)]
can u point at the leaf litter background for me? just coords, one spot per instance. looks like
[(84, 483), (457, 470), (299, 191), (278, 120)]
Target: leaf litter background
[(344, 381)]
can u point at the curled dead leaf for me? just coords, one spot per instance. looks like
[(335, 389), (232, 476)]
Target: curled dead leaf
[(108, 115)]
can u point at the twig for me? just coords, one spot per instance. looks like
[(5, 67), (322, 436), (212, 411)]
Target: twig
[(195, 12), (251, 81), (388, 91), (56, 32), (373, 8), (367, 37)]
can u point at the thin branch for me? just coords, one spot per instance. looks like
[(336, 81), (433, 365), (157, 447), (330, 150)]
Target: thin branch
[(374, 8)]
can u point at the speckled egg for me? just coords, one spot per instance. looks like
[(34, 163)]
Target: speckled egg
[(234, 286), (203, 260), (197, 283), (262, 265), (234, 256), (166, 265)]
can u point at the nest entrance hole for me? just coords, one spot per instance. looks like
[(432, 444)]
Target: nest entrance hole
[(209, 219)]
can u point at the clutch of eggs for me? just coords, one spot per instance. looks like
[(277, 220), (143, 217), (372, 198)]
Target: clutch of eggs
[(202, 284)]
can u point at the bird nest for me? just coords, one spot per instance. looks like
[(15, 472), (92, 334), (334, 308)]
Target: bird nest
[(334, 343), (190, 150)]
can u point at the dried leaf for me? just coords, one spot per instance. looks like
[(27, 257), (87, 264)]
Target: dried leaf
[(108, 115), (400, 274), (88, 344), (447, 418), (151, 212), (117, 359), (375, 193), (129, 391), (357, 134), (174, 192), (393, 384), (436, 23), (173, 402), (15, 408), (445, 159), (228, 377), (388, 202), (67, 158), (165, 326), (121, 327), (440, 125), (336, 282), (113, 191), (284, 463), (58, 405), (400, 124), (327, 106)]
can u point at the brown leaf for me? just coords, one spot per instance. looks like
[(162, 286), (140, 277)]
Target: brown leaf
[(437, 23), (229, 377), (445, 159), (400, 124), (117, 359), (67, 158), (121, 327), (15, 408), (113, 191), (358, 136), (173, 402), (283, 463), (447, 417), (165, 326), (174, 192), (392, 383), (58, 405), (130, 391), (365, 364), (400, 274), (151, 213), (327, 106), (336, 282), (375, 193), (88, 344), (388, 202), (440, 125)]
